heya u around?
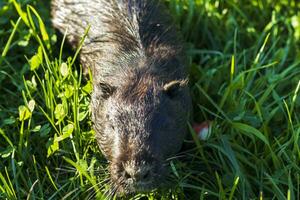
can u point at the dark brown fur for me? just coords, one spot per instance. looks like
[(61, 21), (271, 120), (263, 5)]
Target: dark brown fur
[(140, 102)]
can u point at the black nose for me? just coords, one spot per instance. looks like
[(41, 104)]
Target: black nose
[(138, 174)]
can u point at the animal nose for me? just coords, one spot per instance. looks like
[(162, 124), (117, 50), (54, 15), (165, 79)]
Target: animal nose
[(140, 174)]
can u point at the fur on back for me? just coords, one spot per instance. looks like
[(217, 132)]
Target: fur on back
[(121, 31)]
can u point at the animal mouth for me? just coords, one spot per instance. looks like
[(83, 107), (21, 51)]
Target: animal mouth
[(136, 188), (130, 186)]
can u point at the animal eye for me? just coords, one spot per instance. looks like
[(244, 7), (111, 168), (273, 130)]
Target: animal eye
[(106, 90), (172, 88)]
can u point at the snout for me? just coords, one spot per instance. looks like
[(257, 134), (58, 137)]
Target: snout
[(141, 174), (133, 177)]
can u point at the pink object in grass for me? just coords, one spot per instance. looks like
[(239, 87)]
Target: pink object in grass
[(203, 130)]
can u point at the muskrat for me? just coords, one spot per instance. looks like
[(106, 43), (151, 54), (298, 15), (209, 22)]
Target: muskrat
[(140, 101)]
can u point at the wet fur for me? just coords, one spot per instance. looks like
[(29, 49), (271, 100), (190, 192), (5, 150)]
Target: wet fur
[(134, 52)]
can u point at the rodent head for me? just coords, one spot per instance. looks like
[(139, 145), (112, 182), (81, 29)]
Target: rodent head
[(139, 125)]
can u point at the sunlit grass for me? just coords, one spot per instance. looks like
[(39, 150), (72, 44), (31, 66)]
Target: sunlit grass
[(244, 71)]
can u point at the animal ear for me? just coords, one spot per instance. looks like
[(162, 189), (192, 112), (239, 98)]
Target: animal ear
[(106, 90), (172, 88)]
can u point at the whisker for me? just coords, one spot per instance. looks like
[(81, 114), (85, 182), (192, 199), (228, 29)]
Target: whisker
[(174, 157), (66, 169)]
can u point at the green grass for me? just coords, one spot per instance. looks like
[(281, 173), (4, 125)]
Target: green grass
[(244, 68)]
